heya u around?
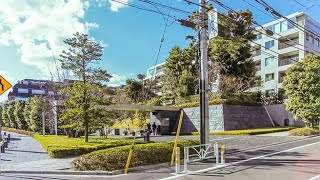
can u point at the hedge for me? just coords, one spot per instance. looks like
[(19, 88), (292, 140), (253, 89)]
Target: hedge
[(249, 131), (303, 132), (62, 146), (29, 133), (115, 158)]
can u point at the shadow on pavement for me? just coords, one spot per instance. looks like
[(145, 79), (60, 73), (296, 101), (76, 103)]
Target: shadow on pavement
[(31, 177)]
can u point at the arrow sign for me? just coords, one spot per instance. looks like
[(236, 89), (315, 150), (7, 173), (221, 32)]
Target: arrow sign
[(4, 85)]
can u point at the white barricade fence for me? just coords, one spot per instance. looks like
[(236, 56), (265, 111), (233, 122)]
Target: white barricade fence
[(199, 153)]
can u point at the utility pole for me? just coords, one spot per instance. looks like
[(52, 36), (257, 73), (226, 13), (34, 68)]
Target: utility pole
[(204, 108), (43, 124)]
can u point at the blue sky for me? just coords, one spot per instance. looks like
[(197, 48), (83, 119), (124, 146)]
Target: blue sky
[(32, 32)]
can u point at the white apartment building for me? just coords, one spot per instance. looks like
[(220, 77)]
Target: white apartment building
[(155, 73), (290, 44)]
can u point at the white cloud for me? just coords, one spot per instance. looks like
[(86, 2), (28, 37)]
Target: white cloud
[(117, 80), (39, 28), (115, 6)]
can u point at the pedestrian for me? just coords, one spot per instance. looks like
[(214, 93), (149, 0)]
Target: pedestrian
[(149, 127), (154, 127)]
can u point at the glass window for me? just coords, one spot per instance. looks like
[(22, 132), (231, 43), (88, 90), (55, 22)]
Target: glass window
[(318, 42), (290, 25), (270, 28), (36, 91), (269, 60), (312, 39), (22, 90), (276, 28), (259, 36), (269, 44), (307, 36), (269, 77)]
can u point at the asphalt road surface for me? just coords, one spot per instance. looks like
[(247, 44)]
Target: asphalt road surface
[(297, 160)]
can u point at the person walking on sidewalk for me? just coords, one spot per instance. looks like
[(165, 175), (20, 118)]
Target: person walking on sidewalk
[(154, 127)]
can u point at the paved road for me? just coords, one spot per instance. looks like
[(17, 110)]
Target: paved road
[(25, 153), (291, 160)]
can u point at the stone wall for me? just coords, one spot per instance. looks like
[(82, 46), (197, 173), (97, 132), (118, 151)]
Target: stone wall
[(230, 117), (245, 117)]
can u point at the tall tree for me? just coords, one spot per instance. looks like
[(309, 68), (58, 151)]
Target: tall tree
[(10, 114), (230, 51), (83, 52), (35, 114), (18, 114), (302, 86)]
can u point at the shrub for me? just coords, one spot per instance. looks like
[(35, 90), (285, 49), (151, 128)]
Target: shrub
[(249, 131), (303, 132), (62, 146), (115, 158), (28, 133)]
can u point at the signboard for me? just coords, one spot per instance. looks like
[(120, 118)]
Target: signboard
[(4, 85), (213, 23)]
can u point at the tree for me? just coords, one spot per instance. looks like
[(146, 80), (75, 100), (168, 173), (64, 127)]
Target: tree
[(5, 119), (10, 114), (18, 114), (180, 74), (230, 51), (83, 52), (35, 114), (302, 86)]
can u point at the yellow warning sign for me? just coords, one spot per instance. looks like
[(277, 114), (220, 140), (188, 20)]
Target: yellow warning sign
[(4, 85)]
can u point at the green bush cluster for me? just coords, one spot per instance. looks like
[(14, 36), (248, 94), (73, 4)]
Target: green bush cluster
[(229, 101), (29, 133), (62, 146), (303, 132), (115, 158), (249, 131)]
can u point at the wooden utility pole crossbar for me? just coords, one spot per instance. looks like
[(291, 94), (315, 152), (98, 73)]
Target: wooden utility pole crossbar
[(177, 137)]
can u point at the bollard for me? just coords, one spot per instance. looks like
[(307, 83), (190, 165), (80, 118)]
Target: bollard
[(216, 152), (223, 152), (177, 160), (185, 160)]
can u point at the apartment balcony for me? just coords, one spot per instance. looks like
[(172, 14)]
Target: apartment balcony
[(288, 60), (286, 44), (256, 52), (280, 79)]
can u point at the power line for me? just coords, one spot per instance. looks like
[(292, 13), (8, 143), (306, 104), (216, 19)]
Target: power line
[(166, 6), (300, 3)]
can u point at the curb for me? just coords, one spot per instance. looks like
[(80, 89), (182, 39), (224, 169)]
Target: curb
[(61, 172)]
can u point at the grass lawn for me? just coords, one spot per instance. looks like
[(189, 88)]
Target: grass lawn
[(250, 131), (62, 146)]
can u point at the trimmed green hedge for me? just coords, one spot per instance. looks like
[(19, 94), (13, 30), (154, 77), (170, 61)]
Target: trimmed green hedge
[(249, 131), (116, 158), (303, 132), (29, 133), (62, 146)]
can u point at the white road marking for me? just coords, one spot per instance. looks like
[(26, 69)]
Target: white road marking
[(242, 161), (315, 178)]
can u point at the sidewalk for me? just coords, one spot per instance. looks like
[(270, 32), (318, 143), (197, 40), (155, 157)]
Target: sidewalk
[(27, 154)]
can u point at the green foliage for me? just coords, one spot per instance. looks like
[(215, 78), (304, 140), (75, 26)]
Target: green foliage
[(82, 53), (62, 146), (302, 86), (143, 154), (19, 117), (10, 113), (35, 117), (249, 131), (5, 118), (303, 132), (246, 99)]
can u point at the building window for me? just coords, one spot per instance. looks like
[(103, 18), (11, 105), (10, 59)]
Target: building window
[(259, 36), (36, 91), (289, 24), (22, 90), (307, 36), (269, 44), (270, 28), (269, 61), (318, 42), (269, 77), (312, 39)]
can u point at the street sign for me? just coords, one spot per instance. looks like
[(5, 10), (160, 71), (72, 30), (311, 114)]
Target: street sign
[(4, 85), (213, 23)]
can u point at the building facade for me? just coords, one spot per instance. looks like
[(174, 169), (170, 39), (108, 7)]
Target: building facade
[(27, 88), (155, 73), (289, 44)]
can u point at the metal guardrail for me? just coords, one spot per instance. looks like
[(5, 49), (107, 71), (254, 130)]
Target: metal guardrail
[(287, 44), (202, 152)]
